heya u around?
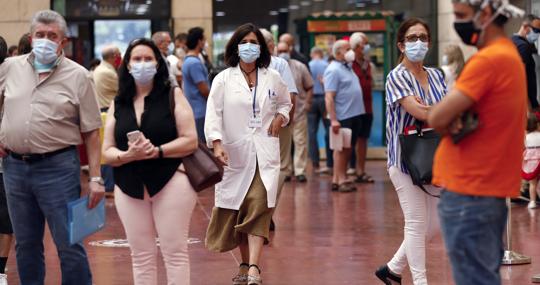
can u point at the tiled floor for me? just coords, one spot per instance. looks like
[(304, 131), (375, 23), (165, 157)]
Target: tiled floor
[(322, 238)]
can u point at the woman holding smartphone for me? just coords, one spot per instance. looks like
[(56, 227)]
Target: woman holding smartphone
[(145, 142)]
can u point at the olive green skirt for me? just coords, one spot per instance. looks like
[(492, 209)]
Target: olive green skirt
[(228, 228)]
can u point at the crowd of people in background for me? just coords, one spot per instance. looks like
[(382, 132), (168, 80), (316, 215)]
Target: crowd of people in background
[(153, 105)]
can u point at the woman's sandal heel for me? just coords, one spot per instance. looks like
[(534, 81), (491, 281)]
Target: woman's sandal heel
[(241, 279), (254, 280)]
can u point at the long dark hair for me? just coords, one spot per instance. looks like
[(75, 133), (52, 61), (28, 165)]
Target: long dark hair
[(25, 45), (3, 50), (402, 31), (231, 51), (126, 83)]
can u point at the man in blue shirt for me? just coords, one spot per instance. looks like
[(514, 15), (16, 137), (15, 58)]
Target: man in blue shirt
[(316, 112), (195, 78), (344, 104)]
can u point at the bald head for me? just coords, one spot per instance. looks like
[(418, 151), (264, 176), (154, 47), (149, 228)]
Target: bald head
[(110, 54), (283, 47), (288, 38), (162, 39)]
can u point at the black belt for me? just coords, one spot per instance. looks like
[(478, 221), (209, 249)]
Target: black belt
[(34, 157)]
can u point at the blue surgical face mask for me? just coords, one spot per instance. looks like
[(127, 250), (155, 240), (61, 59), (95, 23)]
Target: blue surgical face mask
[(249, 52), (143, 72), (416, 51), (532, 37), (286, 56), (367, 49), (170, 49), (45, 50)]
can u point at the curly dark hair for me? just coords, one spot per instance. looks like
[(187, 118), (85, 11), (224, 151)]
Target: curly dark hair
[(231, 51), (126, 82)]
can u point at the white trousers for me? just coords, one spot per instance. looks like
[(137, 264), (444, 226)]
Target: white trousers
[(421, 224), (166, 215)]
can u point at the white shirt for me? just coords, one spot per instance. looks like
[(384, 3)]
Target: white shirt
[(532, 139), (282, 67), (228, 112)]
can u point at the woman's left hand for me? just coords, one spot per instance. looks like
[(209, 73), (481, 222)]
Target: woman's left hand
[(275, 126)]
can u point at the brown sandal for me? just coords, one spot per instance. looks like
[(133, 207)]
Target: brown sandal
[(347, 187)]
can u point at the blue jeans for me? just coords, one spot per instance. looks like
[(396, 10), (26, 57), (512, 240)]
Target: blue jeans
[(473, 228), (317, 113), (108, 176), (39, 192), (199, 125)]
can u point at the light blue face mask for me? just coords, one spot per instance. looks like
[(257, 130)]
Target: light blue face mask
[(170, 49), (143, 72), (249, 52), (416, 51), (367, 49), (532, 37), (285, 56), (45, 51)]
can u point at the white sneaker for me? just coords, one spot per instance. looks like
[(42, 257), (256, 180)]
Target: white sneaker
[(532, 205), (351, 171), (3, 279)]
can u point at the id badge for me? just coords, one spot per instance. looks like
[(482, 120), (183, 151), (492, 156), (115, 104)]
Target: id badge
[(255, 122)]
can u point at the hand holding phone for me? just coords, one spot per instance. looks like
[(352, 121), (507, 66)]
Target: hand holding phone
[(133, 136)]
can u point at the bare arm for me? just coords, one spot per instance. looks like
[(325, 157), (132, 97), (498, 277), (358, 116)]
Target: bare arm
[(331, 110), (203, 89), (413, 106), (187, 141), (442, 115), (91, 141)]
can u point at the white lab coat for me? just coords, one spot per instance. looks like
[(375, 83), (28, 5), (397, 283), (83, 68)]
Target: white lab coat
[(228, 111)]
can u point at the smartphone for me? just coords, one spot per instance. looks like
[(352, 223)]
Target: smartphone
[(133, 136), (470, 123)]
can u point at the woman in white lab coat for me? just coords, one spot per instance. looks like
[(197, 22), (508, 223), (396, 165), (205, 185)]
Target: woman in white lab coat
[(247, 106)]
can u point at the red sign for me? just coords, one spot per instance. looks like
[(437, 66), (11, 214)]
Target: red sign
[(315, 26)]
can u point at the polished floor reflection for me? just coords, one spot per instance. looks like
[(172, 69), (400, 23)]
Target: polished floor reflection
[(322, 237)]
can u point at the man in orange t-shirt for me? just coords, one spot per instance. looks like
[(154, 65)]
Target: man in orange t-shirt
[(483, 168)]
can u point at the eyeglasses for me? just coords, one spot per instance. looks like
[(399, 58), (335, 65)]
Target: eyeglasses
[(415, 38)]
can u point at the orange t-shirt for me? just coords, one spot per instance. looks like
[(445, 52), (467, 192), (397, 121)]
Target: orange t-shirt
[(487, 162)]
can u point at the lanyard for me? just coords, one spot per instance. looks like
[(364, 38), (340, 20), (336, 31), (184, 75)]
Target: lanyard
[(255, 92)]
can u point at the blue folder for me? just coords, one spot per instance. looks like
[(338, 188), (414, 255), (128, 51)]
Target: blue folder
[(82, 221)]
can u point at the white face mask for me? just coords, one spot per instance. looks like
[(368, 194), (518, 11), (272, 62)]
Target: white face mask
[(349, 56), (143, 72), (45, 50), (444, 60)]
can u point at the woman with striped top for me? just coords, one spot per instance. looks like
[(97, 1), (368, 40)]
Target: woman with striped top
[(411, 89)]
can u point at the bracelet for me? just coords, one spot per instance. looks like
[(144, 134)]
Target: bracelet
[(160, 151)]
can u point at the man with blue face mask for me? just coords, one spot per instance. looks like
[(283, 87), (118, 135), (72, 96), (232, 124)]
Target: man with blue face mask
[(48, 102), (525, 41)]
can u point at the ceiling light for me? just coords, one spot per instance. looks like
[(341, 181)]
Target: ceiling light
[(294, 7), (283, 10), (305, 3), (220, 14), (273, 13)]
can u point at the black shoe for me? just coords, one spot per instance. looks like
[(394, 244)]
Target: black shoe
[(389, 278), (272, 226), (335, 187), (287, 178), (301, 178)]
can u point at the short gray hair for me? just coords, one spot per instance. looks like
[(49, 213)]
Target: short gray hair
[(109, 51), (48, 17), (267, 35), (356, 39), (338, 45)]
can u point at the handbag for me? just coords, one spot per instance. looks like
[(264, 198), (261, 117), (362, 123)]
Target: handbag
[(417, 152), (203, 169)]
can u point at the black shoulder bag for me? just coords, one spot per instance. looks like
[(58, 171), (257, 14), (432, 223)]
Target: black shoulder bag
[(417, 152)]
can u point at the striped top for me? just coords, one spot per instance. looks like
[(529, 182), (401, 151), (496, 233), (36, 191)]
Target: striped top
[(400, 83)]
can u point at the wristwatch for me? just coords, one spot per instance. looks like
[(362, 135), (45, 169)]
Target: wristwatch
[(97, 179)]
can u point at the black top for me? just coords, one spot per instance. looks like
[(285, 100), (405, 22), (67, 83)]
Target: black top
[(157, 125), (526, 51)]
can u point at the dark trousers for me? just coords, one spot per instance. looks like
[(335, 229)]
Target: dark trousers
[(315, 114)]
